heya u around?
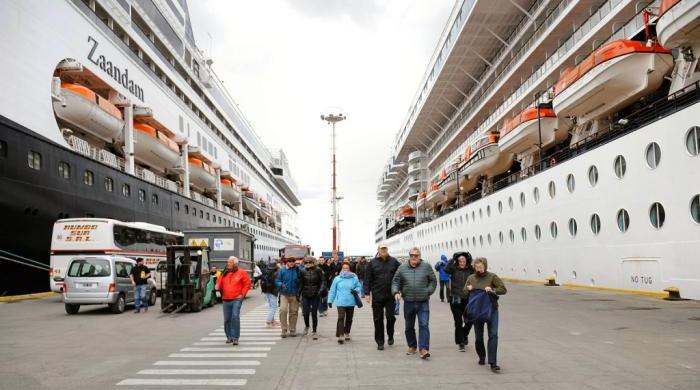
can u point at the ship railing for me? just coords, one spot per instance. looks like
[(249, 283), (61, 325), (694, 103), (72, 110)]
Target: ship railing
[(656, 110)]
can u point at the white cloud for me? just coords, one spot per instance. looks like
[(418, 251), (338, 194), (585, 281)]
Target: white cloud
[(286, 61)]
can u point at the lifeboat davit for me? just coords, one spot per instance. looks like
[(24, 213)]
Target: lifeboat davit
[(486, 158), (420, 202), (250, 202), (201, 174), (153, 148), (90, 112), (679, 23), (229, 192), (613, 76), (265, 210), (522, 132)]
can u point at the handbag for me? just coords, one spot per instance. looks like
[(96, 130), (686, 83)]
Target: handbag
[(480, 306), (358, 300)]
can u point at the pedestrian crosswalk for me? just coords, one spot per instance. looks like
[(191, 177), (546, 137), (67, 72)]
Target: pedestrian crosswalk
[(209, 362)]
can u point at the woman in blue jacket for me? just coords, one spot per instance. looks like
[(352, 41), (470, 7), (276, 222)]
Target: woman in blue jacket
[(342, 292)]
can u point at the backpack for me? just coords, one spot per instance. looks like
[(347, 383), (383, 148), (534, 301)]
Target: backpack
[(267, 283)]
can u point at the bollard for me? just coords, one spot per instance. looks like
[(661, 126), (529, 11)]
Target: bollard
[(551, 281), (674, 294)]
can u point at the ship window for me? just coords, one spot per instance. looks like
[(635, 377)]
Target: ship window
[(573, 227), (620, 166), (201, 214), (154, 199), (500, 237), (595, 224), (553, 229), (695, 208), (88, 178), (194, 211), (522, 199), (187, 209), (177, 206), (208, 217), (481, 214), (488, 238), (657, 215), (473, 216), (510, 203), (473, 241), (523, 234), (570, 183), (64, 170), (692, 141), (552, 189), (536, 194), (126, 190), (109, 184), (593, 175), (142, 195), (481, 240), (653, 155), (538, 232), (3, 148), (34, 160), (488, 210), (511, 235), (623, 220)]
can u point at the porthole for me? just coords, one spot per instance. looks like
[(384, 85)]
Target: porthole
[(500, 207), (511, 235), (657, 215), (536, 194), (522, 199), (473, 241), (570, 183), (692, 141), (461, 242), (481, 240), (538, 232), (653, 155), (552, 189), (553, 229), (523, 234), (466, 218), (488, 210), (500, 237), (593, 175), (620, 166), (473, 216), (481, 214), (510, 203), (695, 208), (623, 220), (573, 227), (488, 238), (595, 224)]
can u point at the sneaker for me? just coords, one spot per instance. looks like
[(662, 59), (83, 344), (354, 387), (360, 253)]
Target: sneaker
[(314, 336), (390, 341), (235, 341), (347, 337), (137, 311), (229, 341), (481, 362), (340, 340), (284, 334), (411, 351), (495, 368), (461, 348), (306, 331), (268, 324), (292, 333), (424, 354), (380, 347)]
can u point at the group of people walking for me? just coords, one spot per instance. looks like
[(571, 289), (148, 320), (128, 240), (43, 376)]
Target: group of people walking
[(471, 291)]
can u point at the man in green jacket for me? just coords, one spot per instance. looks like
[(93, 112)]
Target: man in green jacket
[(415, 281), (492, 284)]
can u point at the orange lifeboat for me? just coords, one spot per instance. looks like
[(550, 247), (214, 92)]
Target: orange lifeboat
[(435, 196), (153, 148), (251, 204), (406, 215), (202, 175), (229, 191), (90, 112), (613, 76), (486, 158), (522, 132)]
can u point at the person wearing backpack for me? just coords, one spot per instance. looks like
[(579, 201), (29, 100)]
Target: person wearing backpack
[(312, 285), (444, 278), (484, 288), (268, 287)]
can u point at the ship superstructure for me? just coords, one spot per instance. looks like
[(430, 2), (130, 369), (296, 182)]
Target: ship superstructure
[(556, 138), (109, 109)]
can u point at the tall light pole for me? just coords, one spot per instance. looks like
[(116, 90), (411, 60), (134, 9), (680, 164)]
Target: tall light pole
[(332, 119)]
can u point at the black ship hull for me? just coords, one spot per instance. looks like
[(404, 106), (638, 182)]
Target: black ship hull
[(32, 200)]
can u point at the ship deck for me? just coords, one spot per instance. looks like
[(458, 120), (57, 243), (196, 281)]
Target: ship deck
[(549, 338)]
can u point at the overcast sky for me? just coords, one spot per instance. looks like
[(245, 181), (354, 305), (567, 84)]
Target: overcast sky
[(286, 62)]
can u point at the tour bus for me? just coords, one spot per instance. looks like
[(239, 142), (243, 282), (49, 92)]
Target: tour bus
[(77, 237), (297, 252)]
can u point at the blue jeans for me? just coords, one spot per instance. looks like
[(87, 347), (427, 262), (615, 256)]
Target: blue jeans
[(493, 338), (140, 296), (232, 318), (422, 311), (271, 300)]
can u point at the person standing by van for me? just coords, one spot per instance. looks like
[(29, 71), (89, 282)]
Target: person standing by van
[(139, 279), (234, 284)]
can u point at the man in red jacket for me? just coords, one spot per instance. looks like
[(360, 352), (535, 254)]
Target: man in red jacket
[(234, 284)]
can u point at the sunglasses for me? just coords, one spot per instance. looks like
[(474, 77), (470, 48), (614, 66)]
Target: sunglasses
[(414, 255)]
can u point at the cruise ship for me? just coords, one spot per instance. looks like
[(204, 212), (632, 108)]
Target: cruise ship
[(109, 109), (559, 139)]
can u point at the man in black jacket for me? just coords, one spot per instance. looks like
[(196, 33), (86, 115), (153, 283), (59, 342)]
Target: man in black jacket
[(459, 268), (377, 287), (328, 277), (312, 284)]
